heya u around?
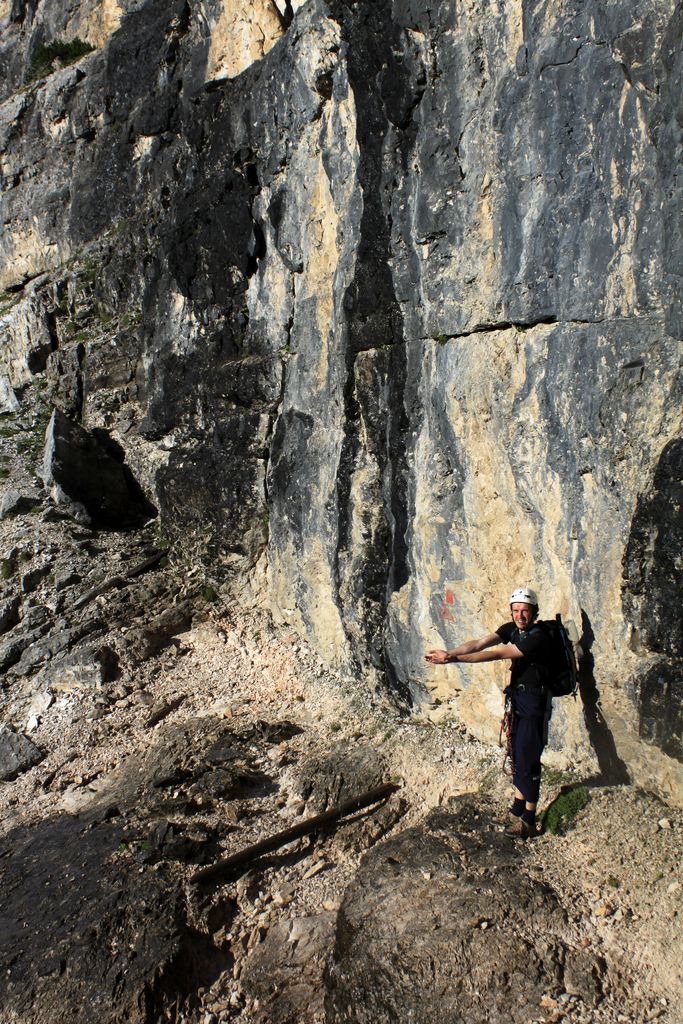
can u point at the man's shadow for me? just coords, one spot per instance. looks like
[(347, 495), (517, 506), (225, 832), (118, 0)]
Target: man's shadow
[(613, 771)]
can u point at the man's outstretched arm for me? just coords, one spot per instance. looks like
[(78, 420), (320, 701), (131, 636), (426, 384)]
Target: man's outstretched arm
[(472, 650), (504, 652)]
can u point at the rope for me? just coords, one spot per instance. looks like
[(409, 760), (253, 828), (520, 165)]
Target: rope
[(507, 724)]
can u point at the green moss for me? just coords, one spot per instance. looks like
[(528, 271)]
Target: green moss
[(7, 301), (7, 568), (559, 817), (130, 319), (47, 55), (209, 593)]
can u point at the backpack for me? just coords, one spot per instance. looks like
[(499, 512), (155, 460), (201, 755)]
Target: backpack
[(561, 670)]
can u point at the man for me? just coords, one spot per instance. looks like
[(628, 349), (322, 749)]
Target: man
[(527, 647)]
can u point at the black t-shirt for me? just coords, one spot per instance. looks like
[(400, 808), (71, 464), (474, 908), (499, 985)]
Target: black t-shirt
[(535, 646)]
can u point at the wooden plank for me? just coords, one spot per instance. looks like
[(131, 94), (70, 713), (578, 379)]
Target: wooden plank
[(222, 868)]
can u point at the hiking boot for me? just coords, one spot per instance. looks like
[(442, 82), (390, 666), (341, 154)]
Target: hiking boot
[(520, 829)]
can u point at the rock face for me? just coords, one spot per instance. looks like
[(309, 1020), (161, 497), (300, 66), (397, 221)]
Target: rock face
[(383, 304)]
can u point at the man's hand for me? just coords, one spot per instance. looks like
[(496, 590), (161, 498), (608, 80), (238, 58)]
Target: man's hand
[(437, 657)]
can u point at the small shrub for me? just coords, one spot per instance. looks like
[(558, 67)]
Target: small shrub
[(46, 55), (559, 817), (7, 568), (209, 593)]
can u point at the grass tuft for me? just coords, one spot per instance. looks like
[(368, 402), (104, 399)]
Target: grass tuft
[(558, 819)]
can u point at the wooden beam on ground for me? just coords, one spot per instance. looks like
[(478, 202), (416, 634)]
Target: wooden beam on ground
[(222, 868)]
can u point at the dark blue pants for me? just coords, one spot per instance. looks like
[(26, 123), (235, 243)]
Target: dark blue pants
[(529, 736)]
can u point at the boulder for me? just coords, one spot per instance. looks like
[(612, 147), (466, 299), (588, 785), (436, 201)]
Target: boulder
[(17, 754), (66, 580), (34, 577), (82, 475), (8, 399), (13, 648), (87, 667), (338, 775), (444, 923), (13, 503), (36, 649), (285, 971), (9, 613)]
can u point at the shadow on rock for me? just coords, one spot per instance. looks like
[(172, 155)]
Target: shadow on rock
[(87, 935), (90, 930), (613, 771)]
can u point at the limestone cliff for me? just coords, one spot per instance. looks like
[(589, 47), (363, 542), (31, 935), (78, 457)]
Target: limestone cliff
[(382, 302)]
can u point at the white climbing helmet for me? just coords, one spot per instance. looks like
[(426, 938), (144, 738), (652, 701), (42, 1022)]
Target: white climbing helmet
[(524, 595)]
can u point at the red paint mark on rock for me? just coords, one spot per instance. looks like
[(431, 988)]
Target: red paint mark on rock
[(449, 597)]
